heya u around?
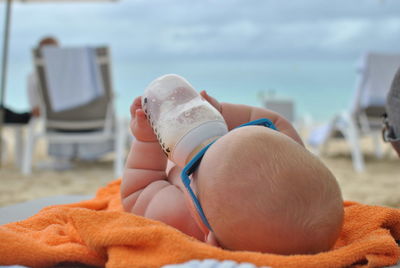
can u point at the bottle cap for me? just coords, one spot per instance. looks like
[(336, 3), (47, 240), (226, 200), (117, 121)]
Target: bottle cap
[(185, 146)]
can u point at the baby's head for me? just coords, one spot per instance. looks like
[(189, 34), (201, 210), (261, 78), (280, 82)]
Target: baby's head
[(262, 191)]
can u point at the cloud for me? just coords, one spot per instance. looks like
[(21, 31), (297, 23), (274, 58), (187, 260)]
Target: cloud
[(214, 28)]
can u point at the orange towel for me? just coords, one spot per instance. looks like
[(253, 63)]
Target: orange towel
[(96, 232)]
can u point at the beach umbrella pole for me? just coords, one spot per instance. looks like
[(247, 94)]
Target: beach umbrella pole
[(4, 71)]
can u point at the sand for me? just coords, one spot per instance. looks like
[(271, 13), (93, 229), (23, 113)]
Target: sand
[(378, 185)]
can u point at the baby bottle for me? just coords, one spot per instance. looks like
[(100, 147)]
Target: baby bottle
[(182, 120)]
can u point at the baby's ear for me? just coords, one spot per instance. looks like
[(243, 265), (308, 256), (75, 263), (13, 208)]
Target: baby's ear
[(212, 240)]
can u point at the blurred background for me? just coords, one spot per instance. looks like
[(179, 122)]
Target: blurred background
[(304, 50), (240, 51)]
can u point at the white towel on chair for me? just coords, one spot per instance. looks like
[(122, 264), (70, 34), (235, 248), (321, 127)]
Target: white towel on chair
[(72, 75)]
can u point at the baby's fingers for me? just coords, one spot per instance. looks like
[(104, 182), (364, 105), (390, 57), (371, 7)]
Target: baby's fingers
[(211, 100), (137, 104), (141, 128), (140, 119)]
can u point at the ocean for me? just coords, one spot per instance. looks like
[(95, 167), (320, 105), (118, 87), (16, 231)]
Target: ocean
[(319, 89)]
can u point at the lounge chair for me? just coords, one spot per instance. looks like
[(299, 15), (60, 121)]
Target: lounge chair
[(365, 115), (286, 108), (91, 122)]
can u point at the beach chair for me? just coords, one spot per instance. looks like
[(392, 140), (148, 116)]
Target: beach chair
[(287, 109), (92, 122), (283, 107), (18, 141), (365, 114)]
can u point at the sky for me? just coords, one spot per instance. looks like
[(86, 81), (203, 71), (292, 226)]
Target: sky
[(147, 32), (161, 29)]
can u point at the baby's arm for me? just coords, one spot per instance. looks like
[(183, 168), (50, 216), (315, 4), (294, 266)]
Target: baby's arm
[(238, 114), (146, 188), (145, 165)]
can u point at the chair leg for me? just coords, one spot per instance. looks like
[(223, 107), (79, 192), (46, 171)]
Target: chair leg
[(353, 139), (4, 153), (331, 128), (29, 148), (18, 146)]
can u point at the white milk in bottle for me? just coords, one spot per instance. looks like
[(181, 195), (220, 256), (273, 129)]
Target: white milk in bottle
[(182, 120)]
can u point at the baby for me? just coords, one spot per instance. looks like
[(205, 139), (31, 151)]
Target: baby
[(259, 188)]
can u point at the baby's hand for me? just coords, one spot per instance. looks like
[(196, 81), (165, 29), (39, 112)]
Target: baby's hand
[(237, 114), (140, 127), (211, 100)]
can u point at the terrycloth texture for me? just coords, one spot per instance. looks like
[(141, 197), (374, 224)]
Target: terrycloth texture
[(97, 232)]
